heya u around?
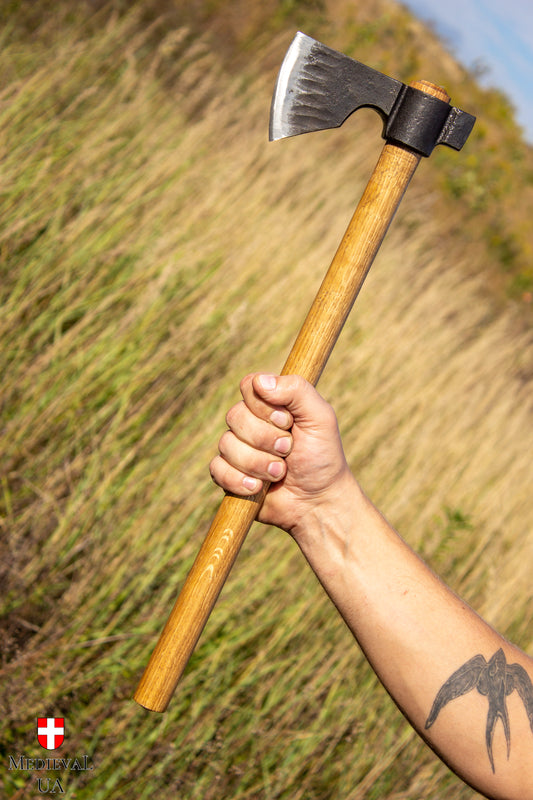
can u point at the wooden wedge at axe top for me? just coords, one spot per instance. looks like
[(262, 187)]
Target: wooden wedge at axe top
[(317, 88)]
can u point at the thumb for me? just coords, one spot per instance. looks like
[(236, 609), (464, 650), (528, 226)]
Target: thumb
[(296, 394)]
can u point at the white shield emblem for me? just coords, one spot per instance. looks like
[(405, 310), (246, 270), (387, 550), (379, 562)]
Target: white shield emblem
[(50, 732)]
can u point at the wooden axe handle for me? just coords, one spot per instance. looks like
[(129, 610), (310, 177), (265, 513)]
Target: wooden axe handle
[(307, 358)]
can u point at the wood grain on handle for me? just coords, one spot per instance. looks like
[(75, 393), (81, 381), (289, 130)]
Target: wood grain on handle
[(196, 600), (307, 358)]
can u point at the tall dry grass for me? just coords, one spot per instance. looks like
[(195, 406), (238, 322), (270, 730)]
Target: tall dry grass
[(154, 248)]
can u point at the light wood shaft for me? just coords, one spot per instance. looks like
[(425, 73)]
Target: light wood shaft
[(197, 599), (308, 357), (351, 263)]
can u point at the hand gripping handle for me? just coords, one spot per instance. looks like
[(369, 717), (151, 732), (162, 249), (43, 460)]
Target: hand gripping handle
[(308, 357)]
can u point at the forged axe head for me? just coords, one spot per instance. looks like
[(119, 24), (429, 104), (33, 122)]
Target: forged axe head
[(318, 88)]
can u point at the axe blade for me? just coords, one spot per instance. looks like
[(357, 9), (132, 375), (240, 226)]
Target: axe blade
[(318, 88)]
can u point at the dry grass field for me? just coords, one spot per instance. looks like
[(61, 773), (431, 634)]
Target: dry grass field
[(154, 247)]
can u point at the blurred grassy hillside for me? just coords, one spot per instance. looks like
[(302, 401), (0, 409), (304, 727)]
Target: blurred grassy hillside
[(154, 247)]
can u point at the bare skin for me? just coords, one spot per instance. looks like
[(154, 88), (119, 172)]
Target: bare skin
[(463, 687)]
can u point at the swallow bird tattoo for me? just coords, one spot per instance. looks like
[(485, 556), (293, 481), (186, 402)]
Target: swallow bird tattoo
[(495, 680)]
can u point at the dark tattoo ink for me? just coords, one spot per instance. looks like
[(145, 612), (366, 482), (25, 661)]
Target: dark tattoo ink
[(495, 680)]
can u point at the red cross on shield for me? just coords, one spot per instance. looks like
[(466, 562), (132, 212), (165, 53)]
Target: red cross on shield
[(50, 732)]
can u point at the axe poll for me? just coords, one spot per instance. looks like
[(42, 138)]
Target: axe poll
[(317, 88)]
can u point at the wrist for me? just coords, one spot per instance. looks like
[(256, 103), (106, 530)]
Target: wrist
[(326, 527)]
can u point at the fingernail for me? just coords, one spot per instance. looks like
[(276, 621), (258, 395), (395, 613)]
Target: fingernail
[(279, 418), (282, 445), (249, 483), (275, 469), (267, 381)]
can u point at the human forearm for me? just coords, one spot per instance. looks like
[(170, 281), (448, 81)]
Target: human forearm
[(417, 633), (464, 688)]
